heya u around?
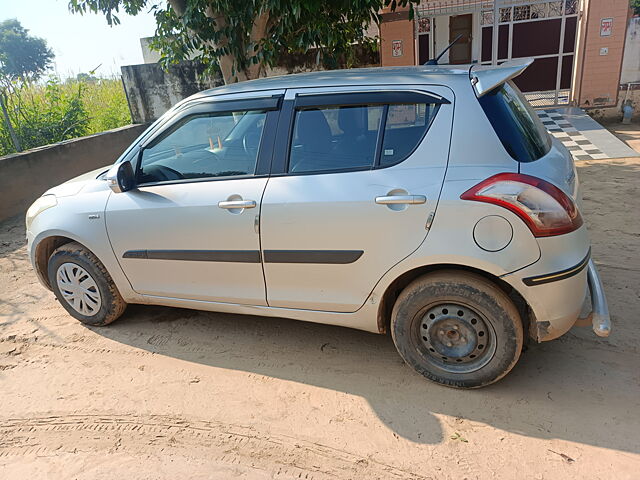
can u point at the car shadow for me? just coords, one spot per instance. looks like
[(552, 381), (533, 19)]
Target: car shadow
[(558, 390), (577, 388)]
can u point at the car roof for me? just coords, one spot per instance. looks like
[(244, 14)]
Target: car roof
[(357, 76)]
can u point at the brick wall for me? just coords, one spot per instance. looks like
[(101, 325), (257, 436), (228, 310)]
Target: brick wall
[(599, 75), (396, 26)]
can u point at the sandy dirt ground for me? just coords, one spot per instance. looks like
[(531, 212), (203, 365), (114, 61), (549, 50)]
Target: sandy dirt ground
[(628, 133), (169, 393)]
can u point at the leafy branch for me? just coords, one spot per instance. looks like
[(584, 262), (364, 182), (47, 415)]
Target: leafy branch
[(242, 38)]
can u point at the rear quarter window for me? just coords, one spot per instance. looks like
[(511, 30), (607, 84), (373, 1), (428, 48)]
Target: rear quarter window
[(405, 126), (516, 123)]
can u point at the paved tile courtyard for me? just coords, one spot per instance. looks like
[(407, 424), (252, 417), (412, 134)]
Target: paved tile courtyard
[(585, 138)]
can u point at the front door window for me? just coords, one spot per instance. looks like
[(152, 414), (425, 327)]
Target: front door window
[(205, 146)]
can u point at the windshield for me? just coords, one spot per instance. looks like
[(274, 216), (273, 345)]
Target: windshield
[(516, 123)]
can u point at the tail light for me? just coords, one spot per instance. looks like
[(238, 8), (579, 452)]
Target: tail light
[(545, 208)]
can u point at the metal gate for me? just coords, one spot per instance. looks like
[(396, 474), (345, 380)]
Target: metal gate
[(544, 30)]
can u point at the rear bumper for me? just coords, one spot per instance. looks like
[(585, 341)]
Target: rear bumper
[(555, 305), (556, 286), (600, 319), (556, 299)]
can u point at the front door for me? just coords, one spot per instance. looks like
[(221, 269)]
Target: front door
[(190, 229), (352, 191), (460, 52)]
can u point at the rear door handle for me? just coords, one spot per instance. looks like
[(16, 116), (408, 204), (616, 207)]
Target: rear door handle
[(401, 200), (233, 204)]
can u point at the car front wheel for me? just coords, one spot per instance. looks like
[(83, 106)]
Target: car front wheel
[(457, 328), (83, 286)]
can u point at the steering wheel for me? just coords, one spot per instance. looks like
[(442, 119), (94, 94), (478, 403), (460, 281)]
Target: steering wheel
[(209, 157), (250, 145), (166, 172)]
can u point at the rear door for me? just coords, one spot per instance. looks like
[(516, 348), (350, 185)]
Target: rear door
[(355, 176)]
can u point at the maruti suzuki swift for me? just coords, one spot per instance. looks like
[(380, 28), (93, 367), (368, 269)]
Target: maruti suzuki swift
[(428, 202)]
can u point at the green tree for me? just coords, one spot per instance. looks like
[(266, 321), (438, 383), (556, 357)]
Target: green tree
[(242, 37), (23, 58), (86, 78), (635, 4)]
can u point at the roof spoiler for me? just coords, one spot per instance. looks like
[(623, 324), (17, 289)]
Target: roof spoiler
[(485, 78)]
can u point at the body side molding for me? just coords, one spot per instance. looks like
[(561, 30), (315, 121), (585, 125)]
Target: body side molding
[(250, 256), (561, 275)]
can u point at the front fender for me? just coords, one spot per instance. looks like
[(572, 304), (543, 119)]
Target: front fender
[(78, 218)]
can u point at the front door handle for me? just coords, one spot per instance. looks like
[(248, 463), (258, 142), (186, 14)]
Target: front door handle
[(401, 200), (237, 204)]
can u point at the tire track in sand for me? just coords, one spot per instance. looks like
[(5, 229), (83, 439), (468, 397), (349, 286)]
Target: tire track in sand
[(281, 455)]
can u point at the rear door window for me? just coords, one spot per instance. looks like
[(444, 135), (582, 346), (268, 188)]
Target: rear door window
[(351, 137), (516, 123), (335, 138)]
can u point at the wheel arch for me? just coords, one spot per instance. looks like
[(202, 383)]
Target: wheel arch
[(43, 250), (394, 289)]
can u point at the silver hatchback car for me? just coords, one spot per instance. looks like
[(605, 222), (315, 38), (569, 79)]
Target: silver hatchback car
[(429, 202)]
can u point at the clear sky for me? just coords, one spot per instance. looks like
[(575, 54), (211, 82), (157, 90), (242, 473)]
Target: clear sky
[(82, 42)]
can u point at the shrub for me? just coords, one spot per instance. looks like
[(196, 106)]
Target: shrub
[(106, 104), (42, 114)]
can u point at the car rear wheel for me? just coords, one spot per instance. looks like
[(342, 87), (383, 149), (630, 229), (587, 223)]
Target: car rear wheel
[(457, 328), (83, 286)]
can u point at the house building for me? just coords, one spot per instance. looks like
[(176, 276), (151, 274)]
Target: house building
[(578, 45)]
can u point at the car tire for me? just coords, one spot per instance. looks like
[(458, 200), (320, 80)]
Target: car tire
[(83, 286), (457, 329)]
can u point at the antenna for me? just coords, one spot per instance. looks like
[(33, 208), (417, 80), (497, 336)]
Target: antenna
[(435, 60)]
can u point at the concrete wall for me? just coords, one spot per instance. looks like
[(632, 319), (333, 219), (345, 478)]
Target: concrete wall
[(153, 56), (148, 55), (151, 91), (631, 59), (27, 175), (614, 113), (440, 32)]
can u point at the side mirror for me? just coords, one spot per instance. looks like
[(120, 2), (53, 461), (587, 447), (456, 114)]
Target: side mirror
[(121, 178)]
